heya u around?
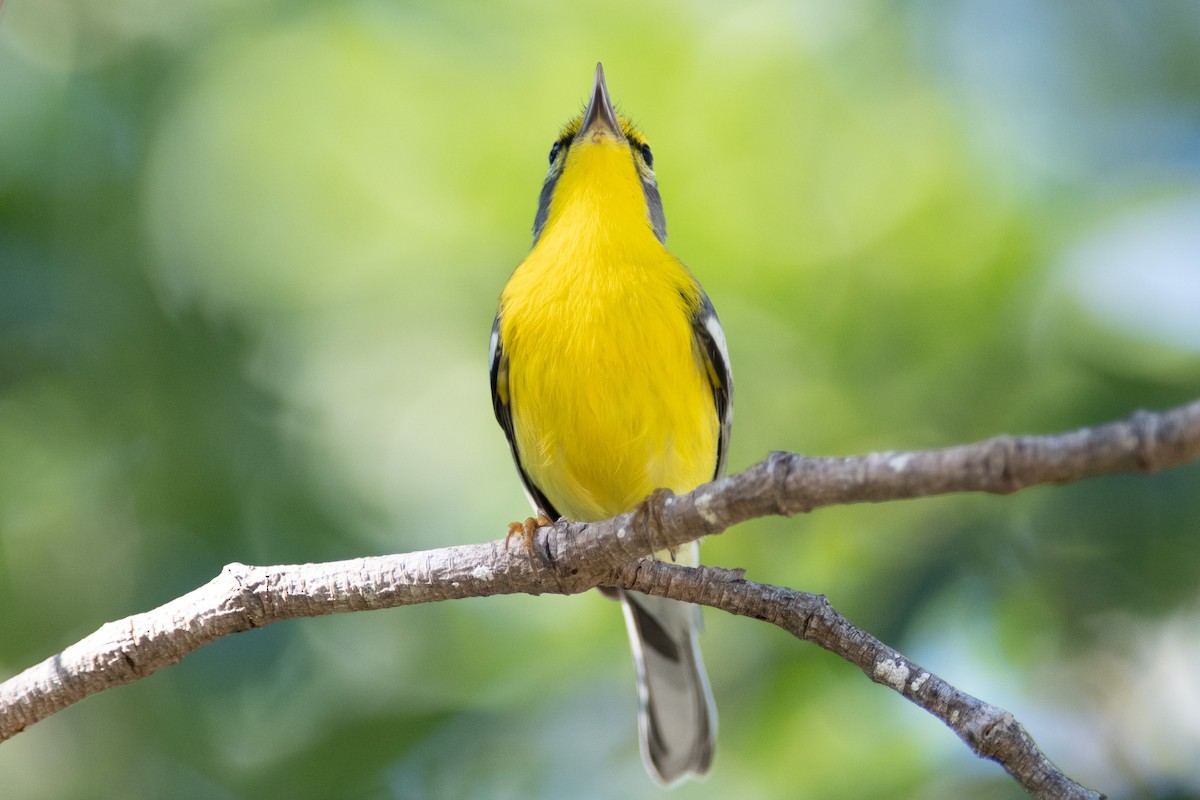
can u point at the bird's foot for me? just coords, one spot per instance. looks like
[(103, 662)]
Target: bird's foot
[(648, 516), (527, 529)]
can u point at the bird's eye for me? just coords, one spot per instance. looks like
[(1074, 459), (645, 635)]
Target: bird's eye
[(647, 156), (554, 151)]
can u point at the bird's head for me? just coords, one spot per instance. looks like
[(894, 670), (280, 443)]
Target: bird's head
[(602, 170)]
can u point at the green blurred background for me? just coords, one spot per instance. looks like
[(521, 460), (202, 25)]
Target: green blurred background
[(249, 258)]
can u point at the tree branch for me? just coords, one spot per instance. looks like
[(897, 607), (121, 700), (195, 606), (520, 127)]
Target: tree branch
[(573, 557), (990, 732)]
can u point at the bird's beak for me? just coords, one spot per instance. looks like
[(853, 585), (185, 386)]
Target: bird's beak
[(600, 110)]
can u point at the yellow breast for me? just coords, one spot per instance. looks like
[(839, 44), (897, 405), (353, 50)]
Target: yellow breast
[(608, 396)]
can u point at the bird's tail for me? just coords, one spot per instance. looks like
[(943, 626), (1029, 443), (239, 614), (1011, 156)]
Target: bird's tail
[(677, 717)]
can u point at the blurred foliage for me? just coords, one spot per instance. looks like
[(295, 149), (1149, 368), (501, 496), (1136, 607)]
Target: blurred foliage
[(249, 256)]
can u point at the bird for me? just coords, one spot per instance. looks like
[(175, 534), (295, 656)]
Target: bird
[(611, 380)]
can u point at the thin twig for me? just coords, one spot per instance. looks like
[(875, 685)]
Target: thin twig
[(990, 732)]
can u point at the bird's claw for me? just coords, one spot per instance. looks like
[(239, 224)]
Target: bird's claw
[(527, 529)]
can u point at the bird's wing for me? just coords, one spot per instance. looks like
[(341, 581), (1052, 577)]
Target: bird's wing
[(500, 403), (714, 356)]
